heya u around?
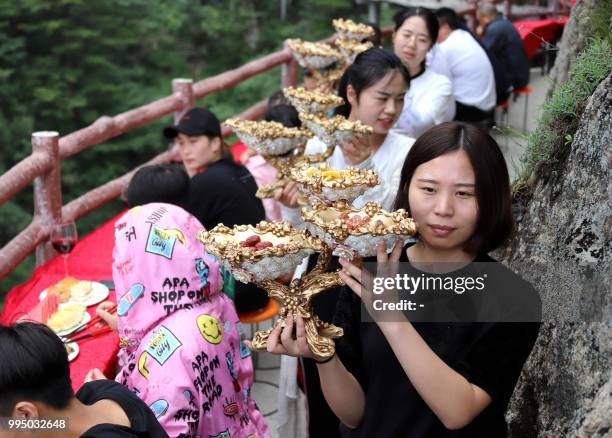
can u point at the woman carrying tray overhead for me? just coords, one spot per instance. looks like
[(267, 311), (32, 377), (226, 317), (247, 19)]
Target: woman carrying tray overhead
[(453, 372)]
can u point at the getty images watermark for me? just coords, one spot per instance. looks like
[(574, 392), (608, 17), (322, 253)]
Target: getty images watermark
[(484, 292), (478, 292)]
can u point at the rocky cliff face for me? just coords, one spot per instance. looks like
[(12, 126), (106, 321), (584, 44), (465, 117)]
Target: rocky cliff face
[(563, 248), (573, 41)]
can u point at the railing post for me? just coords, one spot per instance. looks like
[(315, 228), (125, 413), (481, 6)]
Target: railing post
[(47, 191), (184, 87), (289, 71)]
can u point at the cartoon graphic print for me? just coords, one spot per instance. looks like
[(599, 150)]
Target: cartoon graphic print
[(189, 396), (244, 350), (210, 328), (162, 345), (142, 365), (127, 301), (229, 359), (159, 407), (231, 408), (161, 242), (170, 232), (202, 270)]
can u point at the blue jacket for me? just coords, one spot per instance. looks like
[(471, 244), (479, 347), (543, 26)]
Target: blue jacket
[(504, 41)]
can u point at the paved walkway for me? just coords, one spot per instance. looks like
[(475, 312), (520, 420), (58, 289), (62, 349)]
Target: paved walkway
[(512, 138)]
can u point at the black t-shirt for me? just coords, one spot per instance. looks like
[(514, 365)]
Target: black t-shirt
[(142, 420), (490, 355), (225, 193)]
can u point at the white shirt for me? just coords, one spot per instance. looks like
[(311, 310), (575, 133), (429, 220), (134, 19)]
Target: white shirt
[(387, 162), (428, 102), (461, 59)]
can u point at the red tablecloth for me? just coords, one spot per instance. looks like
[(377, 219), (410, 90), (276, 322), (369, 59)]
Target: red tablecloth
[(534, 32), (91, 259)]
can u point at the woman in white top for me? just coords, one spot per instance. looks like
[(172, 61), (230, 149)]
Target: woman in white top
[(373, 88), (430, 99)]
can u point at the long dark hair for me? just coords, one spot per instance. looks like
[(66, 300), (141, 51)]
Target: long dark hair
[(495, 222), (369, 67)]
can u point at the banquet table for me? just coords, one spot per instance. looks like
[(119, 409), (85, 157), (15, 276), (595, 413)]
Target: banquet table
[(91, 259), (535, 32)]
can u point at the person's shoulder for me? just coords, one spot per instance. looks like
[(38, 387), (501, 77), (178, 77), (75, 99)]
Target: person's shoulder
[(436, 80), (103, 388), (398, 141)]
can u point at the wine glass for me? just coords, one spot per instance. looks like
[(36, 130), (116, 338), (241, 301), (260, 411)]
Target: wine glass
[(63, 239)]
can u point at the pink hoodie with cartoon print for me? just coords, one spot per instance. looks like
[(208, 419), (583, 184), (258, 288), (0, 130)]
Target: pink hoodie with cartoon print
[(181, 340)]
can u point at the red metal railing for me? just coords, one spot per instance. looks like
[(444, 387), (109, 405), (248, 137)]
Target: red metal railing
[(42, 167)]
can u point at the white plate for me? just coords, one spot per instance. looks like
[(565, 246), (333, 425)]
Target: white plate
[(98, 294), (86, 318), (75, 351)]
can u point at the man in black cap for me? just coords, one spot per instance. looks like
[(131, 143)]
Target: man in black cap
[(220, 190)]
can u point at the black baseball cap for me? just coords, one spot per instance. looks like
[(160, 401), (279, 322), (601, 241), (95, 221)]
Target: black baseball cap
[(196, 121)]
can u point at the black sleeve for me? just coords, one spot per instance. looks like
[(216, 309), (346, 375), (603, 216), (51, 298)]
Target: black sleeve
[(496, 358), (348, 317), (202, 202)]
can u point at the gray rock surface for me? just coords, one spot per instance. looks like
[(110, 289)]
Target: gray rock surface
[(563, 248), (572, 42)]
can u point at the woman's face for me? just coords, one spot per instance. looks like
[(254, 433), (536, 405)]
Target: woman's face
[(443, 201), (198, 151), (380, 104), (411, 42)]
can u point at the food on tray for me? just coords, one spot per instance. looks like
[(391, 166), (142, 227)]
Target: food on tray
[(63, 289), (69, 349), (67, 317), (81, 291), (328, 174), (257, 244), (44, 309)]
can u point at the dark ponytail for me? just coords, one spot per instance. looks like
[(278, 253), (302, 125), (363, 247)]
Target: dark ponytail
[(369, 67)]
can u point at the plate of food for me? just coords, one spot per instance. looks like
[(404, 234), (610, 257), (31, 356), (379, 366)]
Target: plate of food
[(351, 231), (71, 290), (264, 252), (67, 318), (334, 185), (72, 348)]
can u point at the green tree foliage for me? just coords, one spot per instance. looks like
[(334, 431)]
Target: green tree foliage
[(64, 63)]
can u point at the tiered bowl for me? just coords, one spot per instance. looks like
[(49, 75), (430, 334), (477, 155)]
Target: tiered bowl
[(313, 55), (312, 102), (237, 250), (355, 232), (351, 48), (329, 185), (349, 30), (335, 130), (269, 138), (243, 252)]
